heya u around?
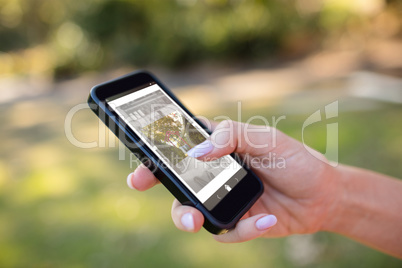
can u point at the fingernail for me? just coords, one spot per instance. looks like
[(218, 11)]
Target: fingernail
[(201, 149), (266, 222), (129, 181), (188, 221)]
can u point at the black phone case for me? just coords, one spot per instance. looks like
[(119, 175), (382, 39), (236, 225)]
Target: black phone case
[(144, 154)]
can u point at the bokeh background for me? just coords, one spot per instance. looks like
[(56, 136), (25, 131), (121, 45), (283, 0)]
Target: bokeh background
[(65, 206)]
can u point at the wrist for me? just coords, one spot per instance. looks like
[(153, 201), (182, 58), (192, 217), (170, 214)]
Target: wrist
[(357, 203), (337, 200), (366, 208)]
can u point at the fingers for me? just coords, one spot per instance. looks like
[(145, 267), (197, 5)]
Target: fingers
[(248, 229), (141, 179), (187, 218)]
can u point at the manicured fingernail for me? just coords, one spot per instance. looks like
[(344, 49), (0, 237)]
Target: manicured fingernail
[(266, 222), (129, 181), (201, 149), (188, 221)]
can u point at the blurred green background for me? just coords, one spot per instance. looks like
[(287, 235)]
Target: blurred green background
[(65, 206)]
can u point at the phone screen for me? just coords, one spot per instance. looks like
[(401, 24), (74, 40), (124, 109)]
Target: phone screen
[(170, 133)]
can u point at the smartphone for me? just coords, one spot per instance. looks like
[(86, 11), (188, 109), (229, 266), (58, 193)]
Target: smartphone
[(156, 127)]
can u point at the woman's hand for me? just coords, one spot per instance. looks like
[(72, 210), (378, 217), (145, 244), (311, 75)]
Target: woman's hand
[(299, 188)]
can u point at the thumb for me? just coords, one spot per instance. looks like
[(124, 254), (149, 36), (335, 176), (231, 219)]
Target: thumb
[(248, 229), (230, 136)]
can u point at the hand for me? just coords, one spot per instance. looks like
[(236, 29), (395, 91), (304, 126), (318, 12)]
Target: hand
[(299, 188)]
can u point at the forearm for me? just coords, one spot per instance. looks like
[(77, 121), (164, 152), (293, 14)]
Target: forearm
[(368, 209)]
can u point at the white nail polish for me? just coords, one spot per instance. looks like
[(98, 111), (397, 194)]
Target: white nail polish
[(201, 149), (129, 181), (265, 222), (188, 221)]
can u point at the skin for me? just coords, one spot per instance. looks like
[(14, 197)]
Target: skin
[(307, 195)]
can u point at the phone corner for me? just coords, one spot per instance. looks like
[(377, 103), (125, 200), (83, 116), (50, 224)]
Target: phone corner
[(213, 229)]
